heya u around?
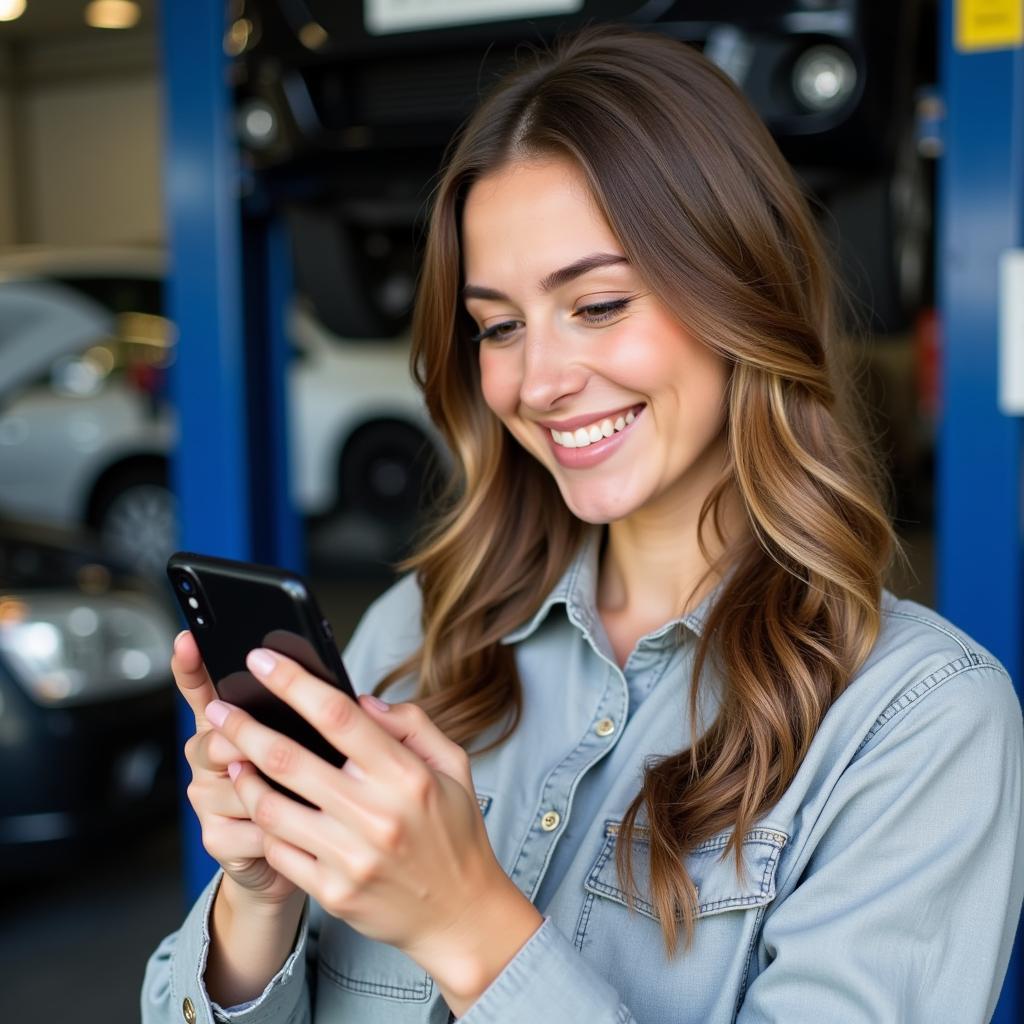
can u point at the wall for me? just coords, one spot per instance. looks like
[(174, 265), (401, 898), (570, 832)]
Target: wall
[(86, 137)]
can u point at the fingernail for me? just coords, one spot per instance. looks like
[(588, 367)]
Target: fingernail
[(217, 711), (376, 702), (233, 769), (261, 662), (178, 637), (353, 769)]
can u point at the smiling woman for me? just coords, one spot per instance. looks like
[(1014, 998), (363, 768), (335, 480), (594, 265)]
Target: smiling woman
[(727, 775)]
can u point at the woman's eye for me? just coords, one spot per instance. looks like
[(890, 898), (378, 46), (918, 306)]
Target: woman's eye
[(593, 314), (602, 310), (497, 331)]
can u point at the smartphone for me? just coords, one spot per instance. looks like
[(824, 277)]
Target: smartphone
[(232, 607)]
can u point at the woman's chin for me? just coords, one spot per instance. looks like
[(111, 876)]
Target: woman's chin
[(598, 509)]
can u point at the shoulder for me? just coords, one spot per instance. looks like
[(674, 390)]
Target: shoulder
[(929, 729), (387, 633), (920, 656)]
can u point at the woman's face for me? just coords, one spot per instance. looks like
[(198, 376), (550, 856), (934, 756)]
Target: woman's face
[(625, 372)]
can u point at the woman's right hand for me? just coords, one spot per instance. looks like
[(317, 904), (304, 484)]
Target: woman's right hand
[(229, 836)]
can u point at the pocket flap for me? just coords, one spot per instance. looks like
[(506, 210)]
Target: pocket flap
[(718, 888)]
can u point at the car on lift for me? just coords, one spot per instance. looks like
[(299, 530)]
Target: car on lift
[(86, 427), (344, 110), (87, 725)]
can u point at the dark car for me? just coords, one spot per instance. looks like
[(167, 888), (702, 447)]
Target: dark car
[(343, 112), (87, 718)]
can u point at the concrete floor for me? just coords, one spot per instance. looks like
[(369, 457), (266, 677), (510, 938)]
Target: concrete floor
[(73, 946)]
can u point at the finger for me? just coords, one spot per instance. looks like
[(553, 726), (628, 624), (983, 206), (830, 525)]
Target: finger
[(215, 798), (277, 815), (282, 759), (190, 674), (414, 729), (298, 866), (218, 752), (338, 718), (230, 840), (207, 751)]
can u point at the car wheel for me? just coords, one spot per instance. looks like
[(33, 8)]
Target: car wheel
[(384, 468), (137, 521)]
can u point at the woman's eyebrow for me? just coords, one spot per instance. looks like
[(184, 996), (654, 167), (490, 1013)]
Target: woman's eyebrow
[(555, 279)]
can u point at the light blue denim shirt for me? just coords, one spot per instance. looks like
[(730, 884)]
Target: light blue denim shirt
[(884, 887)]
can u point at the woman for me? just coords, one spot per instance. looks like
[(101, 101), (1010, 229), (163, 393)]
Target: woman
[(715, 770)]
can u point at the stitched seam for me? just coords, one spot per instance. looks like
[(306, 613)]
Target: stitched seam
[(642, 834), (420, 993), (934, 625), (620, 897), (769, 868), (616, 896), (746, 963), (581, 930), (731, 901), (595, 870), (926, 685)]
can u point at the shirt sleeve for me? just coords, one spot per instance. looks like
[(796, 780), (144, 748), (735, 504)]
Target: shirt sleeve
[(174, 977), (908, 906), (549, 980)]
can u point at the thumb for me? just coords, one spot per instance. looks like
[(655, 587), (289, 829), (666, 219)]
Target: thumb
[(414, 729), (191, 677)]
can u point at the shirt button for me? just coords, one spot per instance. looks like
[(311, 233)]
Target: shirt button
[(550, 821), (605, 727), (188, 1011)]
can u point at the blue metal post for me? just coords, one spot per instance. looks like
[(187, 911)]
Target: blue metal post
[(216, 381), (981, 189)]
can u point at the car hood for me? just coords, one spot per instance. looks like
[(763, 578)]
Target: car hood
[(39, 322), (34, 556)]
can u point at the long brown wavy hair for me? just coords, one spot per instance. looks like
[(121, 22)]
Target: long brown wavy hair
[(716, 224)]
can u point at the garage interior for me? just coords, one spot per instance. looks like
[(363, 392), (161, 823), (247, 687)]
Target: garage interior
[(179, 200)]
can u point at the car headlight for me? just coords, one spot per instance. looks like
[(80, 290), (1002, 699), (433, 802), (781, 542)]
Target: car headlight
[(66, 649)]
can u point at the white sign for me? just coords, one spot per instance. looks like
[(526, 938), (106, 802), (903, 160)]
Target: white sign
[(1011, 332), (383, 16)]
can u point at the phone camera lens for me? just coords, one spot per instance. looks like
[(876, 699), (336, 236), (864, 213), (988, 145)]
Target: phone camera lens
[(186, 585)]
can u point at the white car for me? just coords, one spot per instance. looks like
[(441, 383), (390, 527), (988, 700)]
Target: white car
[(86, 430)]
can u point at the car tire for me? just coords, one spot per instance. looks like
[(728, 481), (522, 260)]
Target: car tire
[(135, 515), (386, 467)]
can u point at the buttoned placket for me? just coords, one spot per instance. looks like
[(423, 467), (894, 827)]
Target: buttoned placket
[(553, 808)]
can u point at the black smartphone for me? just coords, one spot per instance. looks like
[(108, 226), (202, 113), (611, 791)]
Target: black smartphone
[(232, 607)]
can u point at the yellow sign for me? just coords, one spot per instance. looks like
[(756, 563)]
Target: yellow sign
[(988, 24)]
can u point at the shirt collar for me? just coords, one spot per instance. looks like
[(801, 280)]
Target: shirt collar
[(577, 590)]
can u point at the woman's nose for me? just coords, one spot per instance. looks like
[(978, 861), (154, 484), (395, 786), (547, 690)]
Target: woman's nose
[(549, 371)]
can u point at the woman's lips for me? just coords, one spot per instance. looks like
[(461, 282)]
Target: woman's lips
[(591, 454)]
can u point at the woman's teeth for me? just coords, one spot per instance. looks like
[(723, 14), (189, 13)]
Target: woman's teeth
[(595, 432)]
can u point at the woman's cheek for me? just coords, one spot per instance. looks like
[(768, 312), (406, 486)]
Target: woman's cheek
[(498, 384)]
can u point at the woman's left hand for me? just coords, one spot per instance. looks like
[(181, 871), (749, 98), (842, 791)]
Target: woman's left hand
[(396, 844)]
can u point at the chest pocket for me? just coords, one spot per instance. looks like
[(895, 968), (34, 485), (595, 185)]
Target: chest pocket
[(718, 888), (352, 965), (628, 948)]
